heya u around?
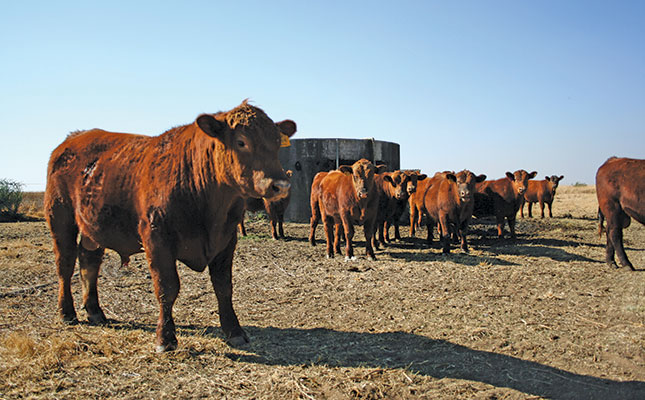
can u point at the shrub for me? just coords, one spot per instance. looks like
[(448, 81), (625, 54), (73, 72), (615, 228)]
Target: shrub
[(10, 196)]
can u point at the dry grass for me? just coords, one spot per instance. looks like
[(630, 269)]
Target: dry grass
[(542, 317)]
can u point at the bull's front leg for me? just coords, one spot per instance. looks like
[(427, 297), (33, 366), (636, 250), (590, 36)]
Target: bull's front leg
[(220, 270), (163, 271), (369, 230), (349, 235)]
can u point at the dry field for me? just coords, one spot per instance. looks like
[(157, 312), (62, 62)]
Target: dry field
[(541, 317)]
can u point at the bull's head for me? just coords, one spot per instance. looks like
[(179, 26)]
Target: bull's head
[(520, 180), (246, 156), (553, 182), (399, 182), (466, 184), (362, 172), (413, 178)]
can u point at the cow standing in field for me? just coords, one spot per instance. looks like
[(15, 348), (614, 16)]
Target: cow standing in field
[(449, 202), (411, 180), (417, 206), (348, 197), (620, 188), (502, 198), (315, 205), (176, 196), (390, 187), (540, 192), (275, 210)]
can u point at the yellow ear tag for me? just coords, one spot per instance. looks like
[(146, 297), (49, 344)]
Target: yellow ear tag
[(284, 140)]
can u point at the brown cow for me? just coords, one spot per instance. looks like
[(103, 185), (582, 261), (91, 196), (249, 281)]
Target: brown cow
[(177, 196), (502, 198), (315, 205), (390, 187), (417, 206), (540, 192), (620, 188), (450, 201), (275, 210), (348, 196), (410, 181)]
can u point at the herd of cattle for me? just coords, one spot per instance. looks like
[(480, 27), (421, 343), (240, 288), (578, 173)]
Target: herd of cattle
[(182, 195), (364, 194)]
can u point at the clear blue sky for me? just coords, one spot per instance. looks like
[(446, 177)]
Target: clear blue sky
[(553, 86)]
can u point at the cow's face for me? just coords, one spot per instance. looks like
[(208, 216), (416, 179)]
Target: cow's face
[(400, 182), (553, 182), (520, 180), (362, 173), (413, 179), (249, 157), (466, 184)]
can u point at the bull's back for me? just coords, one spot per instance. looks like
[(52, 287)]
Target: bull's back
[(92, 174), (537, 190), (336, 193), (622, 181)]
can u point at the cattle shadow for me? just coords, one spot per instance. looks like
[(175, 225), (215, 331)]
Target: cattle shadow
[(456, 256), (424, 356)]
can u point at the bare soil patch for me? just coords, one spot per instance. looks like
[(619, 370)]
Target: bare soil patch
[(541, 317)]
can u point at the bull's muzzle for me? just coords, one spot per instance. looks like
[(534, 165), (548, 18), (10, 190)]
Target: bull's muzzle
[(521, 190), (362, 194), (279, 189)]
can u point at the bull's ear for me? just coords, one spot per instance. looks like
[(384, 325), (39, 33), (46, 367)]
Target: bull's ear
[(561, 177), (211, 126), (289, 173), (380, 168), (287, 127), (547, 178), (451, 177), (421, 177), (532, 174), (510, 176), (346, 169), (480, 178), (388, 178)]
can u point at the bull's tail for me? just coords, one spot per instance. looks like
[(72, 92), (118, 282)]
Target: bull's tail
[(601, 221)]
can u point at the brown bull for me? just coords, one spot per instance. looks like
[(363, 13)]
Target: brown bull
[(542, 192), (348, 197), (502, 198), (315, 205), (275, 209), (620, 188), (449, 201), (176, 196)]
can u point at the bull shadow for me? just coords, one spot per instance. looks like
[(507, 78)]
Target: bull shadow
[(425, 356), (456, 256), (434, 358)]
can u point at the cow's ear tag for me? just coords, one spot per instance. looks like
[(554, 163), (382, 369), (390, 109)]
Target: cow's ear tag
[(284, 140)]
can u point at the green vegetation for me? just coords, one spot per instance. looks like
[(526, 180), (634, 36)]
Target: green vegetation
[(10, 197)]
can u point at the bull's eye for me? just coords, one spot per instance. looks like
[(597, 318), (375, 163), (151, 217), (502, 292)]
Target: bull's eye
[(241, 144)]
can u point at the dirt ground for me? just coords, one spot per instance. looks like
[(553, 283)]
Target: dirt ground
[(540, 317)]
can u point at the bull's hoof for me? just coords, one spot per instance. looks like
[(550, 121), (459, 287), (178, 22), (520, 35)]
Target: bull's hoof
[(97, 318), (238, 341), (162, 348), (348, 258), (69, 319), (372, 258)]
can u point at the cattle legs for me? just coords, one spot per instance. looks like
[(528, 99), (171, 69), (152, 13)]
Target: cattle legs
[(615, 241), (89, 263), (64, 233), (221, 278), (163, 271)]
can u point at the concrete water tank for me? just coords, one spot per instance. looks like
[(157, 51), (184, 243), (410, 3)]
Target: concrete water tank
[(307, 157)]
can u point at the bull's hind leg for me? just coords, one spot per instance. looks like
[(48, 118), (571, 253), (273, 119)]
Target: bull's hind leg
[(89, 263), (615, 241), (65, 233), (220, 270)]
